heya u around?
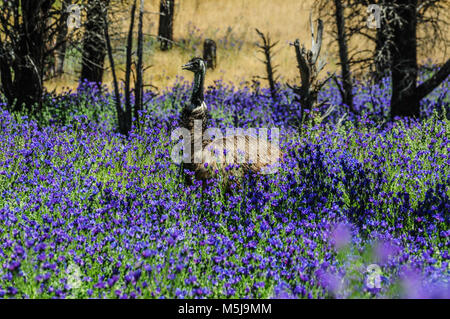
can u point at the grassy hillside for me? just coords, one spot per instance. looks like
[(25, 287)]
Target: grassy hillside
[(232, 24)]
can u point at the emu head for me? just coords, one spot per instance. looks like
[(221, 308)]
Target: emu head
[(196, 65)]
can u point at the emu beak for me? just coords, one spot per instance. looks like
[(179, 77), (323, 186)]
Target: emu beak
[(187, 66)]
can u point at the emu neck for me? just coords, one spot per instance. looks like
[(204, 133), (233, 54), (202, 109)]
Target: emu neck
[(197, 93), (196, 110)]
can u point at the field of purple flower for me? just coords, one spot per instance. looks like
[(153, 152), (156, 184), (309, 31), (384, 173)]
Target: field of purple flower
[(85, 212)]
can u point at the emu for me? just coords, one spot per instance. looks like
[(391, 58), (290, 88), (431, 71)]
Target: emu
[(235, 155)]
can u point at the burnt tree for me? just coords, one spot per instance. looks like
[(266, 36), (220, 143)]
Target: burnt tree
[(94, 44), (24, 30), (210, 53), (139, 85), (406, 96), (165, 30), (404, 67), (267, 49), (309, 66), (61, 37), (117, 98), (129, 110), (128, 119), (432, 19), (347, 86), (383, 43)]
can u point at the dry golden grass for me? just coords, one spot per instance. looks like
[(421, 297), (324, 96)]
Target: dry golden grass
[(285, 21)]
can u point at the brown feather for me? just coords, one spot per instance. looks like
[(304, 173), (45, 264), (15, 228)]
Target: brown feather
[(246, 153)]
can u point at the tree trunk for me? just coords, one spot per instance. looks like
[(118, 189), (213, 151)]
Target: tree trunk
[(380, 58), (139, 85), (128, 116), (266, 47), (117, 99), (383, 40), (30, 54), (404, 61), (49, 65), (347, 97), (94, 46), (425, 88), (60, 57), (165, 30), (61, 41), (309, 65), (209, 53), (6, 76)]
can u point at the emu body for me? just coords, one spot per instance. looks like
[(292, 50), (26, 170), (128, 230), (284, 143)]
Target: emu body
[(235, 155)]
